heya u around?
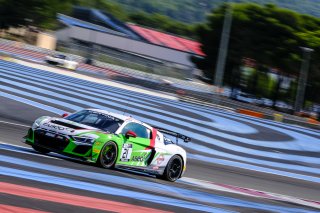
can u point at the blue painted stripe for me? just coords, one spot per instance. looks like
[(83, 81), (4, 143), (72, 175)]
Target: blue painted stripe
[(22, 56), (79, 84), (42, 98), (194, 135), (286, 145), (163, 118), (211, 151), (208, 110), (81, 90), (173, 103), (76, 81), (261, 122), (105, 189), (32, 103), (261, 143), (253, 167), (219, 121), (148, 186)]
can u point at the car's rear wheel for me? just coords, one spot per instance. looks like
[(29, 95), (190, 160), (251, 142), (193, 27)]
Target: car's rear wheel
[(173, 169), (41, 149), (108, 155)]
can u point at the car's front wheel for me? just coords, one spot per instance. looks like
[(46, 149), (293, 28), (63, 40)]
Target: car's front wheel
[(174, 169), (40, 149), (108, 155)]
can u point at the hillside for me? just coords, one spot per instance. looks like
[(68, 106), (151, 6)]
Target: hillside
[(191, 11)]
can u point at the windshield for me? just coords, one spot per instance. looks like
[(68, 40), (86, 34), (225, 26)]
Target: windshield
[(60, 56), (95, 119)]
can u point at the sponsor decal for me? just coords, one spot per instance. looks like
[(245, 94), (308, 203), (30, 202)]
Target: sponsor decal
[(96, 150), (106, 115), (56, 127), (138, 158), (160, 159)]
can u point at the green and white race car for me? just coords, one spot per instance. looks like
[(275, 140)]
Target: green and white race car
[(112, 141)]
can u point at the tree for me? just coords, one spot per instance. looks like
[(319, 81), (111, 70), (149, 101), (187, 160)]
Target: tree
[(104, 5), (311, 38), (163, 23), (269, 34), (14, 13), (195, 11)]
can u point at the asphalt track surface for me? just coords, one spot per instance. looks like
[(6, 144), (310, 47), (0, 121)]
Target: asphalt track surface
[(227, 150)]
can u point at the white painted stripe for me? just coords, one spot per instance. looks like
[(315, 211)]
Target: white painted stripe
[(199, 147), (157, 117), (95, 80), (219, 122), (175, 104), (248, 192), (50, 155), (14, 124), (164, 118), (172, 191), (193, 134)]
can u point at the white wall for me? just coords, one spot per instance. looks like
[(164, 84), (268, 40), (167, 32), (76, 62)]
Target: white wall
[(127, 44)]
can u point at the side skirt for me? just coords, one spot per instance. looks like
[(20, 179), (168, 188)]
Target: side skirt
[(151, 170)]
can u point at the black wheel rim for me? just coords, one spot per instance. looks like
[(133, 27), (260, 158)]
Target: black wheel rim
[(109, 154), (175, 169)]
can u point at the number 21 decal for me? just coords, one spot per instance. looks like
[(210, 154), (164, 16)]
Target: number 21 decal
[(126, 152)]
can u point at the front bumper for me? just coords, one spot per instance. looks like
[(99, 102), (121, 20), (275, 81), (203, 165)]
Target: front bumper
[(57, 143)]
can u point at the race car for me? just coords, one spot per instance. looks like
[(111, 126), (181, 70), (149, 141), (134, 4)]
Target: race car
[(112, 141), (61, 60)]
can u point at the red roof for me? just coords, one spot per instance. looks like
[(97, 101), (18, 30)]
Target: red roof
[(167, 40)]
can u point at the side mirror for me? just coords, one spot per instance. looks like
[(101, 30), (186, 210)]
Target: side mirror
[(64, 115), (131, 134)]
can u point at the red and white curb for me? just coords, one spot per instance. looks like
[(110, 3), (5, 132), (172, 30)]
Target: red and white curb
[(249, 192)]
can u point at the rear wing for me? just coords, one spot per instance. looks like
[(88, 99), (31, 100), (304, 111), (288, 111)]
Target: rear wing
[(185, 139)]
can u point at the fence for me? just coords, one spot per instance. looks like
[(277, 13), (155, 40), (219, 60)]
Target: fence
[(128, 60)]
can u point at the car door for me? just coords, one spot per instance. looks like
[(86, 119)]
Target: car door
[(135, 150)]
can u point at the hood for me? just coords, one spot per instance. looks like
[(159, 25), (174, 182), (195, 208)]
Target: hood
[(65, 127)]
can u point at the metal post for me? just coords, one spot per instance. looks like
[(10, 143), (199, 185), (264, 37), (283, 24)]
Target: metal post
[(223, 49), (303, 78)]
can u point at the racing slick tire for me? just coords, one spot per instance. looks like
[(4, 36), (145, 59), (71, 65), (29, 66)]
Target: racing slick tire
[(108, 155), (40, 149), (173, 169)]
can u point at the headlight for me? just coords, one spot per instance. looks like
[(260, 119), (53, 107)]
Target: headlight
[(36, 124), (86, 140)]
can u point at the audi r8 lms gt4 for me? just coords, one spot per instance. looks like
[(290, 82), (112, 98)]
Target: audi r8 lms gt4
[(112, 141)]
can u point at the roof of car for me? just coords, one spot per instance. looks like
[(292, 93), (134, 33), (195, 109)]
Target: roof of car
[(59, 55), (116, 115)]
